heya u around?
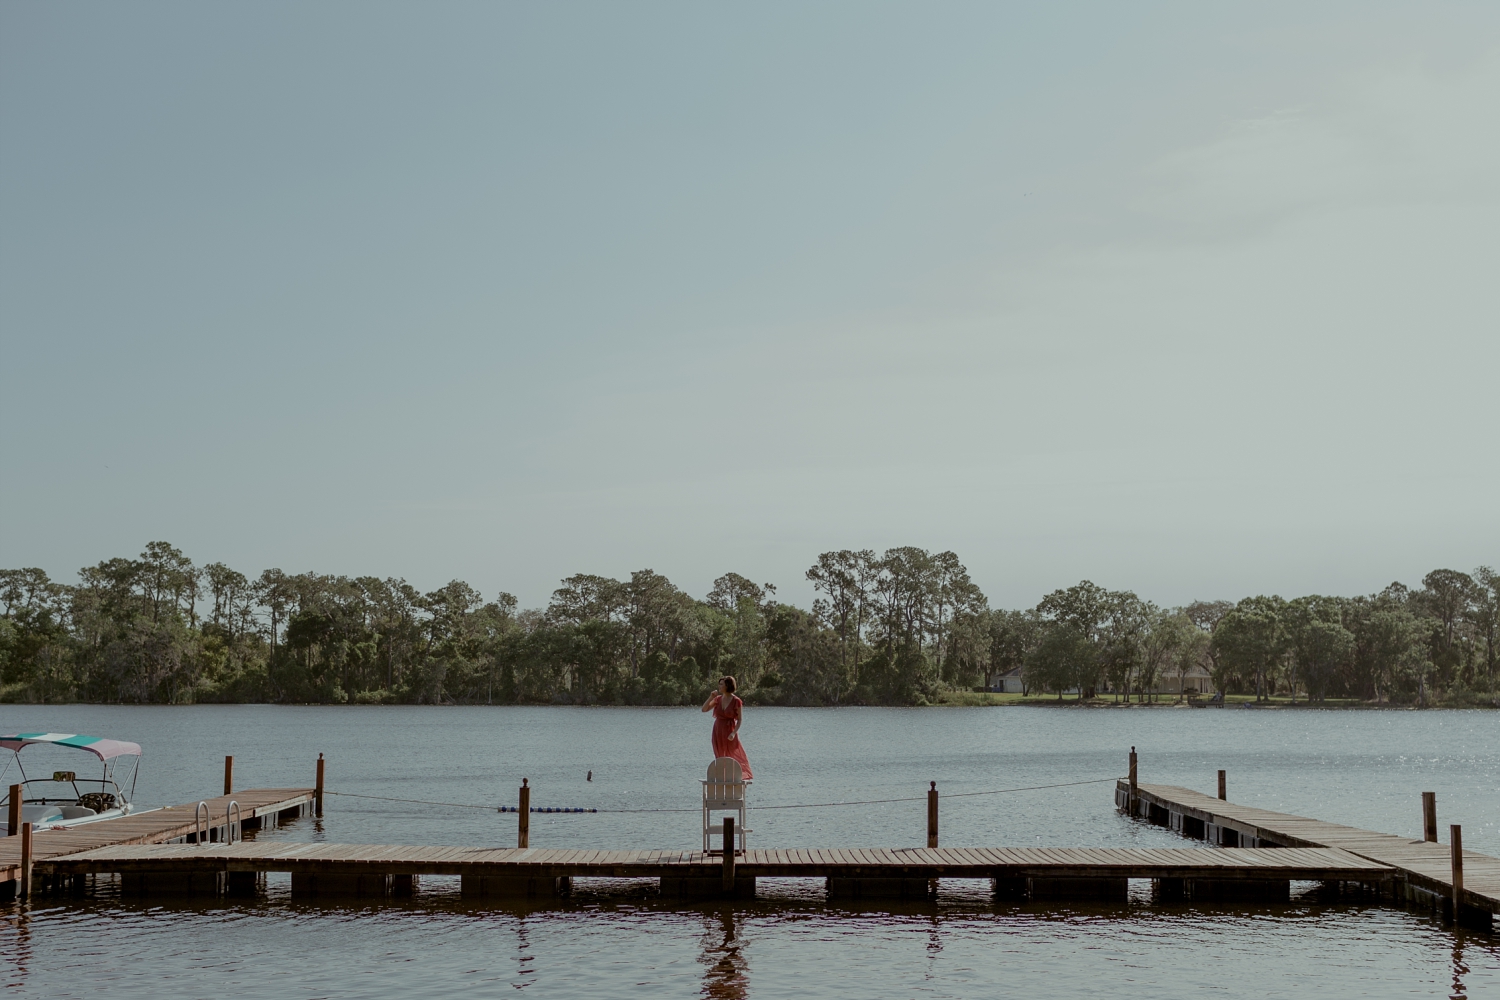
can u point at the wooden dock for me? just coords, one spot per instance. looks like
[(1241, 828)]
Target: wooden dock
[(1423, 869), (257, 807), (1069, 872)]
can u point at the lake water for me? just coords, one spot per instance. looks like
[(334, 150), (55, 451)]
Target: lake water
[(616, 939)]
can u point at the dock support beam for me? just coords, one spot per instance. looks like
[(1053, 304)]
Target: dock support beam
[(1235, 890), (1080, 888), (24, 891), (932, 816), (728, 877), (14, 826), (1429, 817), (523, 815), (1463, 913), (1456, 858), (1132, 781), (245, 883), (515, 886), (318, 791), (879, 888), (327, 884), (229, 774), (174, 882), (698, 887), (1223, 787), (1009, 888)]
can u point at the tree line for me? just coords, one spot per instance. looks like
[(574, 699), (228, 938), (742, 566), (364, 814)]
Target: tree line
[(905, 627)]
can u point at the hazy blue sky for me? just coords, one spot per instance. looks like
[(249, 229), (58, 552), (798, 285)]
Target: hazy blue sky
[(1197, 299)]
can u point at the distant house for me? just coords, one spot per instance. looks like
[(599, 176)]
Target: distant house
[(1006, 683), (1196, 681)]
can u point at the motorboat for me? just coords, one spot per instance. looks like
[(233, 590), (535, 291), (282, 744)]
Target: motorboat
[(68, 799)]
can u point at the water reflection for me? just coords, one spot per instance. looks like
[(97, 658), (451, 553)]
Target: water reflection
[(18, 955), (1460, 970), (727, 976), (525, 969)]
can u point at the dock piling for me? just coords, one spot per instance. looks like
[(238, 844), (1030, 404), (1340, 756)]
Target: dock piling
[(1456, 853), (1429, 817), (728, 853), (14, 826), (229, 774), (1132, 781), (932, 815), (523, 815), (1223, 787), (318, 790), (25, 890)]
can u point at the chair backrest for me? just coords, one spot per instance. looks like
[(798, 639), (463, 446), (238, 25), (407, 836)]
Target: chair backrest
[(726, 771), (725, 782)]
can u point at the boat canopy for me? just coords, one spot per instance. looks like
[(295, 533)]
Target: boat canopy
[(97, 745)]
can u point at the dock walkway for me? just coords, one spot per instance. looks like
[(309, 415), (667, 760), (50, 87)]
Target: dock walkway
[(154, 826), (1420, 865), (915, 862), (1016, 873)]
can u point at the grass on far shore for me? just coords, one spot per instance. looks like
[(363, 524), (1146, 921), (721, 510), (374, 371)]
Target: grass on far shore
[(981, 698)]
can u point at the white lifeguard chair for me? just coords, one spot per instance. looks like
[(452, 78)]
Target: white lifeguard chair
[(724, 791)]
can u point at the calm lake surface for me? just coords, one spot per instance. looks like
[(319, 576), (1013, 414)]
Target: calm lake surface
[(616, 939)]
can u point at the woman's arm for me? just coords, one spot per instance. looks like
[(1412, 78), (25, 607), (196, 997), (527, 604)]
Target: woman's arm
[(708, 706)]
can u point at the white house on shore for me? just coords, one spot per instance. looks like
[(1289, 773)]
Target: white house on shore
[(1196, 681)]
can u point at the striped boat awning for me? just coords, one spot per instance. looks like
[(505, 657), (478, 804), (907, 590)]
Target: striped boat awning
[(97, 745)]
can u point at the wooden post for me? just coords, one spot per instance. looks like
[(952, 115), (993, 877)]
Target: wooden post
[(318, 790), (932, 815), (523, 816), (229, 775), (1429, 817), (14, 826), (25, 887), (1223, 787), (1132, 781), (1456, 852), (728, 853)]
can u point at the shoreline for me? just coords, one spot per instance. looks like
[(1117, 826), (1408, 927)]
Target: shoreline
[(962, 700)]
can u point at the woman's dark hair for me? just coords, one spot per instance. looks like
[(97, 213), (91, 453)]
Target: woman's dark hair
[(728, 683)]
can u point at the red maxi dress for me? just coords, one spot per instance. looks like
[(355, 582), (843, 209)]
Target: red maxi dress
[(726, 721)]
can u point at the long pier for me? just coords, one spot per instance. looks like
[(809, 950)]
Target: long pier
[(1066, 872), (1424, 871)]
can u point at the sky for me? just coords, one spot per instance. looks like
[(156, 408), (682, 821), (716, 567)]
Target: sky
[(1193, 299)]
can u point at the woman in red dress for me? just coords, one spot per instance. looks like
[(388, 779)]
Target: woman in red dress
[(729, 712)]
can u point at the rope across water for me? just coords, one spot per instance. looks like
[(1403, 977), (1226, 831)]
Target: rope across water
[(799, 805)]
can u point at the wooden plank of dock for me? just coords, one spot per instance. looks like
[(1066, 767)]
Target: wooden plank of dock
[(1425, 865), (154, 826), (912, 863)]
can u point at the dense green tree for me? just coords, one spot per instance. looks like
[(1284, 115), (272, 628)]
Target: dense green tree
[(1064, 659), (1251, 641), (1320, 646), (903, 627)]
